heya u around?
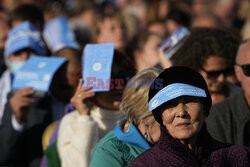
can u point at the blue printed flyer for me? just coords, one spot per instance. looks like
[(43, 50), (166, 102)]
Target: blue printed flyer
[(96, 65), (58, 34), (37, 72), (174, 41), (173, 91)]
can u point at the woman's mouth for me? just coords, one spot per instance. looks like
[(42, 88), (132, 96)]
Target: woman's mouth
[(183, 124)]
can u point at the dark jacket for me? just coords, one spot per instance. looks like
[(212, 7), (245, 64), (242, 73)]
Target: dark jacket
[(229, 120), (24, 148), (208, 152)]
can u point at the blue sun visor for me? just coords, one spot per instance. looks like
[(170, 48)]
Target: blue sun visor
[(173, 91)]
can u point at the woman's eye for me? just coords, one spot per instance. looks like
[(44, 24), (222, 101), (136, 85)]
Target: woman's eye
[(171, 104), (190, 100)]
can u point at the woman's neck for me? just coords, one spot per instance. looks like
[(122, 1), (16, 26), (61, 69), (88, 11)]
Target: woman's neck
[(189, 143)]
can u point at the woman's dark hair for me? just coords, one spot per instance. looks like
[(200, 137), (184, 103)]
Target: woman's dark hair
[(29, 12), (122, 67), (203, 43), (179, 16)]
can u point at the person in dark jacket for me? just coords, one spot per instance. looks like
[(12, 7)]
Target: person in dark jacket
[(229, 120), (181, 106)]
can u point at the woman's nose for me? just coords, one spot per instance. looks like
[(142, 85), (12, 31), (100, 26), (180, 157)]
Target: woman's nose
[(181, 111)]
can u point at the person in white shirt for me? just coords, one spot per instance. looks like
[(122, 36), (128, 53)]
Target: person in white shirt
[(96, 114)]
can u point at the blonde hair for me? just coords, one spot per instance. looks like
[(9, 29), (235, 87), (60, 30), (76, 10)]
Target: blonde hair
[(134, 102)]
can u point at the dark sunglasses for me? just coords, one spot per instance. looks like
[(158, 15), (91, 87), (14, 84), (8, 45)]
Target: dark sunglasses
[(215, 74), (245, 68)]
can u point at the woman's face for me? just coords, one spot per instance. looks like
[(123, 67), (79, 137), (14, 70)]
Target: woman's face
[(150, 51), (183, 117), (112, 31)]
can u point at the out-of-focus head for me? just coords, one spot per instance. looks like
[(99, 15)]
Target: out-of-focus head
[(158, 27), (210, 52), (206, 19), (22, 41), (132, 25), (175, 19), (10, 4), (134, 102), (199, 6), (242, 68), (157, 10), (27, 12), (52, 9), (225, 10), (85, 11), (73, 71), (182, 101), (123, 69), (111, 29), (146, 50)]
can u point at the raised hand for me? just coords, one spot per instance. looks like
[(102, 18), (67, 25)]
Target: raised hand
[(20, 102), (81, 99)]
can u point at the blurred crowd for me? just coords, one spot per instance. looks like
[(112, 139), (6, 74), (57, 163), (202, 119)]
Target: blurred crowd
[(72, 126)]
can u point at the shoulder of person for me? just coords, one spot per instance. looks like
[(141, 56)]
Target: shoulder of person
[(227, 103), (228, 106), (110, 143), (233, 89), (148, 158)]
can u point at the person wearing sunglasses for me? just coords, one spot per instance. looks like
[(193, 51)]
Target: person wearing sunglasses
[(229, 120), (210, 52)]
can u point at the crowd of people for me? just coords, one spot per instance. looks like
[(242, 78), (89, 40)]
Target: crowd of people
[(190, 107)]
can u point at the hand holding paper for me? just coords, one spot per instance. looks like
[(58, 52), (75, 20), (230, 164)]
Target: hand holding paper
[(172, 43), (20, 103), (37, 72), (81, 99)]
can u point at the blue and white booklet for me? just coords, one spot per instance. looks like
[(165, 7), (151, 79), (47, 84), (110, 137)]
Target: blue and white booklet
[(58, 34), (96, 66), (37, 73), (174, 41)]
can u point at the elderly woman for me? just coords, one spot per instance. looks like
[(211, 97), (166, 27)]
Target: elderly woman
[(181, 107), (132, 135)]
